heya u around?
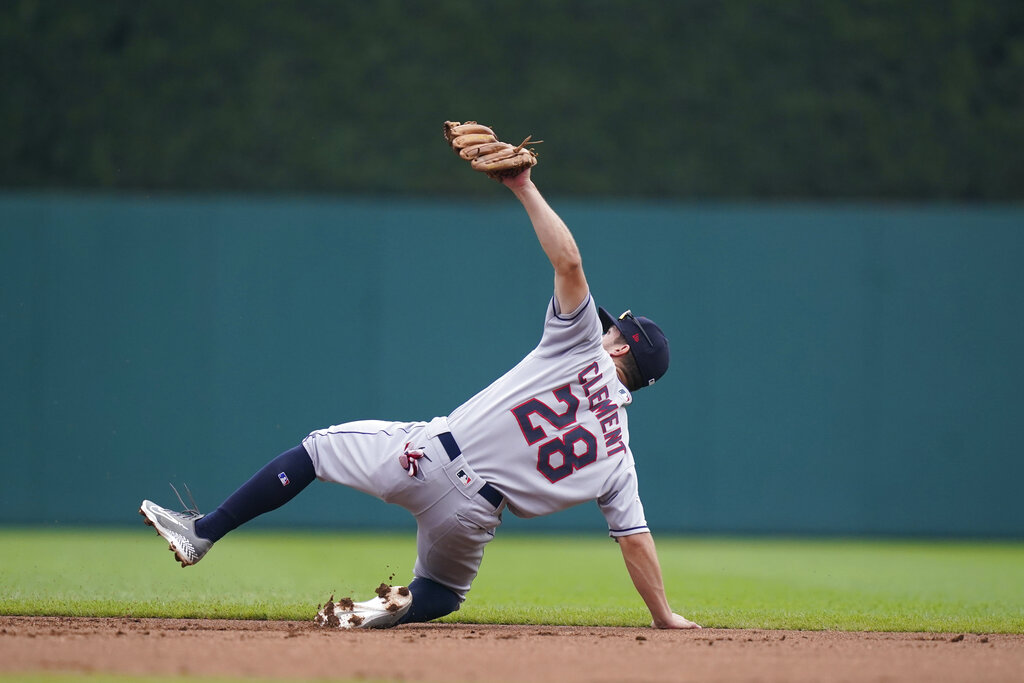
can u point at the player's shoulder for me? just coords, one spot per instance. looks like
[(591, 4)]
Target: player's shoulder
[(585, 307), (567, 329)]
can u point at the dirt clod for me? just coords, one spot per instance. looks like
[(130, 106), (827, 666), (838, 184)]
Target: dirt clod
[(326, 614)]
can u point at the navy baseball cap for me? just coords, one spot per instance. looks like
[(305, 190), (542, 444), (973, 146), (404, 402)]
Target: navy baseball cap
[(647, 342)]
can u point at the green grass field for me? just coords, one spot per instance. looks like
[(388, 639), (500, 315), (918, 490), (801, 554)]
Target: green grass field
[(724, 583)]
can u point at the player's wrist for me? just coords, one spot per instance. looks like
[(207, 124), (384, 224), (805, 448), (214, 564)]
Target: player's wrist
[(660, 620), (520, 186)]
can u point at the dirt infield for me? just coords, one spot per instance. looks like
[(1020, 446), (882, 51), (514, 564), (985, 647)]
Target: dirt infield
[(441, 652)]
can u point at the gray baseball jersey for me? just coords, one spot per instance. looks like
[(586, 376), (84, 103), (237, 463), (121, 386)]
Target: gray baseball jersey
[(552, 432), (549, 434)]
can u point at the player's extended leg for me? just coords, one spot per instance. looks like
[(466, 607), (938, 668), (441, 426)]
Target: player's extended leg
[(191, 535), (275, 484)]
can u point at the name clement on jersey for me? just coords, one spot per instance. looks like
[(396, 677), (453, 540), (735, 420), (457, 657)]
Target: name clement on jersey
[(607, 413), (577, 447)]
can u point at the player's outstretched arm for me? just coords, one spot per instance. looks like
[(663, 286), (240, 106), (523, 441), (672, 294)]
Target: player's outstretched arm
[(641, 559), (556, 240)]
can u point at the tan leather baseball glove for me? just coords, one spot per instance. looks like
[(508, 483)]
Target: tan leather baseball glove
[(478, 145)]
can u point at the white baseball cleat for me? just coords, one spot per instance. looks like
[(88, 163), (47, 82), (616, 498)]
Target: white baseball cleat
[(179, 530), (383, 611)]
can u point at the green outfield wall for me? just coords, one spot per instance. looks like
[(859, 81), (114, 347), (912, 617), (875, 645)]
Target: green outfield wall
[(853, 369)]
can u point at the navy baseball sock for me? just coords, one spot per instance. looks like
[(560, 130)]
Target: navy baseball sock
[(278, 482), (430, 600)]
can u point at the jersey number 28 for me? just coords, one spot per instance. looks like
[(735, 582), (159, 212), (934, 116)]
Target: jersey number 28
[(573, 450)]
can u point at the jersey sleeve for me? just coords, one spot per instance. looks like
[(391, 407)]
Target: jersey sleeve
[(570, 331), (621, 505)]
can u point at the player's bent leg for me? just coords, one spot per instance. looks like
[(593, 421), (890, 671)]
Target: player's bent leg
[(450, 545), (430, 600)]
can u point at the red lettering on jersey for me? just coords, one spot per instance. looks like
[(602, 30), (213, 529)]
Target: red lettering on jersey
[(602, 408), (620, 448), (607, 422), (566, 448), (559, 457), (534, 433), (611, 438), (589, 376)]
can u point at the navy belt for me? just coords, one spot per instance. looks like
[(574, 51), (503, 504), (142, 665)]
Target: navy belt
[(451, 447)]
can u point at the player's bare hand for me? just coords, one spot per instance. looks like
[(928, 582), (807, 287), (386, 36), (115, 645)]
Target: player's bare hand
[(676, 621)]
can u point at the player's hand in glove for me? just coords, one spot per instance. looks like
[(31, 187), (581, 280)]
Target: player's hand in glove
[(478, 145)]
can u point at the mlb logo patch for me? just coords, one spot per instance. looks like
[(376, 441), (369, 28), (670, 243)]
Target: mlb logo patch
[(463, 477), (284, 479)]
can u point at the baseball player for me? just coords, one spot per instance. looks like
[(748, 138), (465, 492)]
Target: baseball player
[(549, 434)]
